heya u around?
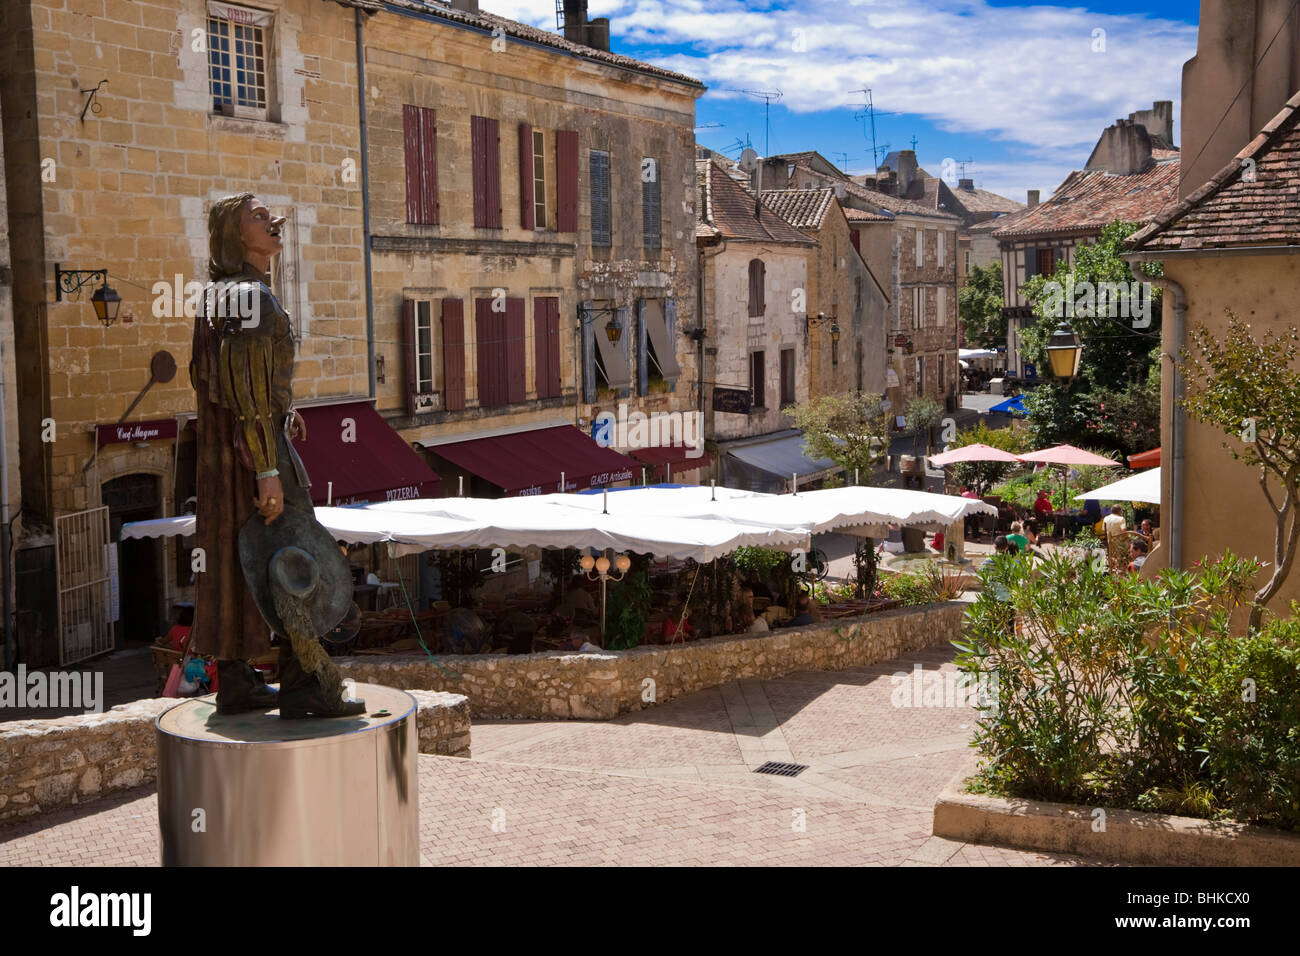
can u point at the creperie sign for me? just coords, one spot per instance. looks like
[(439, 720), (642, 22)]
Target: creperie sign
[(136, 431)]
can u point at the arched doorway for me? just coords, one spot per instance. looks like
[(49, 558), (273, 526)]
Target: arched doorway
[(140, 582)]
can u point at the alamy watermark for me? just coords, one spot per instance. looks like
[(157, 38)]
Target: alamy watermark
[(1101, 300), (656, 430), (922, 688), (62, 690), (218, 300)]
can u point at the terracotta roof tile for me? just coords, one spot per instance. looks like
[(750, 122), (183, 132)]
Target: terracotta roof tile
[(1087, 201), (726, 209), (801, 208), (1228, 210)]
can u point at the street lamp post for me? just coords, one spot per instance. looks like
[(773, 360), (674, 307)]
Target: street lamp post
[(603, 575)]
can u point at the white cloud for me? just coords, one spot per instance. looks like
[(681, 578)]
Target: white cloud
[(1027, 77)]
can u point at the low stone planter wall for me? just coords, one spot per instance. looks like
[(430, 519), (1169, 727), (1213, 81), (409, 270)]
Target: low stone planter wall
[(49, 764), (1120, 836), (601, 686)]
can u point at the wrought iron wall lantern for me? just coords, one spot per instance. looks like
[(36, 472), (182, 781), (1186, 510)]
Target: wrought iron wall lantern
[(613, 331), (820, 318), (105, 299)]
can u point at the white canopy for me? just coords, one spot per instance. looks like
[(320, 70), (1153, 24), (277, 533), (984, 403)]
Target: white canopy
[(1144, 486), (693, 522), (976, 353)]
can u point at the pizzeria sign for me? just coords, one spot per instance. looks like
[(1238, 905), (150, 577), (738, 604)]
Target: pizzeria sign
[(135, 431)]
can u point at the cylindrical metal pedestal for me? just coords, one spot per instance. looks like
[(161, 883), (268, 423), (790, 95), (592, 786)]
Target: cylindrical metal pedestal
[(255, 790)]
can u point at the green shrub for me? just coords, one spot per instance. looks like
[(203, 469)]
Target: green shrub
[(1109, 688), (911, 587)]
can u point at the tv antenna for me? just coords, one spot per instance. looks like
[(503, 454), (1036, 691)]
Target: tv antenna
[(868, 112), (710, 126), (913, 141), (767, 96), (740, 144), (844, 161)]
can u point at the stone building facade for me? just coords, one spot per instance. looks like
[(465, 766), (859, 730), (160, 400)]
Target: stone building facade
[(846, 305), (187, 101)]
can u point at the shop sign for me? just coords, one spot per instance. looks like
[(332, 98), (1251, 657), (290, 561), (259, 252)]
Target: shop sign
[(136, 431)]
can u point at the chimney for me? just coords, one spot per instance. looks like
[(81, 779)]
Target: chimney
[(1159, 122), (906, 170), (1243, 73), (468, 6), (578, 29), (966, 184), (1032, 198), (1123, 149)]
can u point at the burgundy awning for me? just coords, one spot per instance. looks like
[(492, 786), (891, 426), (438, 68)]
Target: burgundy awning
[(530, 462), (350, 445), (678, 457)]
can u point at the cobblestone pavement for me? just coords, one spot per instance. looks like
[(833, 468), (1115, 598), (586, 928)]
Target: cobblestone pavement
[(670, 785)]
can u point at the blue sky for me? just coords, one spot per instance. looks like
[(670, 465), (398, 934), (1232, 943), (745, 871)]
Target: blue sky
[(1020, 90)]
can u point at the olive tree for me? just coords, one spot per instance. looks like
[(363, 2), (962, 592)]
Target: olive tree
[(1246, 385)]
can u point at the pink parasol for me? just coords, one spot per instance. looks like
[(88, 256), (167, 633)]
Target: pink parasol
[(976, 452), (1066, 455)]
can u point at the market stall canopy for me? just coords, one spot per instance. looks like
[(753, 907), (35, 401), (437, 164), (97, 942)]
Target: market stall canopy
[(777, 458), (1144, 486), (975, 452), (1145, 459), (1066, 455), (353, 456), (976, 353), (530, 462)]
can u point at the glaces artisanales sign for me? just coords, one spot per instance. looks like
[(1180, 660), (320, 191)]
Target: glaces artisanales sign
[(136, 431)]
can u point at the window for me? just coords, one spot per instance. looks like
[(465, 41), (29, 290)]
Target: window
[(920, 247), (1046, 262), (938, 249), (941, 376), (546, 340), (757, 288), (601, 225), (453, 354), (787, 377), (756, 374), (539, 180), (605, 363), (857, 295), (920, 376), (940, 306), (918, 307), (855, 237), (420, 143), (237, 69), (656, 360), (500, 346), (650, 227), (419, 342), (485, 152)]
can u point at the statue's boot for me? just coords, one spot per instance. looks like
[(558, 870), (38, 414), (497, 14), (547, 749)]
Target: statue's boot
[(301, 693), (240, 688)]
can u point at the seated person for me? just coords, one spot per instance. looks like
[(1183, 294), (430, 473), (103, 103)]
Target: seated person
[(1030, 532), (1043, 505), (671, 632), (1113, 523), (1016, 536), (1002, 546), (1091, 515), (1137, 554), (775, 614), (804, 615), (516, 629)]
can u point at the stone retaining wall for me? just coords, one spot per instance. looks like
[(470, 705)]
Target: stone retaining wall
[(48, 764), (602, 686)]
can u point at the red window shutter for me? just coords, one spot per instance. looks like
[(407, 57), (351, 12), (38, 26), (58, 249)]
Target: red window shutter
[(526, 213), (453, 355), (516, 341), (485, 149), (409, 346), (566, 180), (420, 145), (429, 148), (546, 327), (855, 237)]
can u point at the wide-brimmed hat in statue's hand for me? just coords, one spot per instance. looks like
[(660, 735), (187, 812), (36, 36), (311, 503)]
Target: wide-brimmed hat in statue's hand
[(296, 555)]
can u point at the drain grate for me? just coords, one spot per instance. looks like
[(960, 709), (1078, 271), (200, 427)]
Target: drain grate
[(782, 769)]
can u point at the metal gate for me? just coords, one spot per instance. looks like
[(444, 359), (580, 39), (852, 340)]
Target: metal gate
[(81, 548)]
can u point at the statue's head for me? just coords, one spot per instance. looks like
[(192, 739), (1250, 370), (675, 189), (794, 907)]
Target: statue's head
[(241, 229)]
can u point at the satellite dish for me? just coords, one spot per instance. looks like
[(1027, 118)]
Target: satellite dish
[(749, 160)]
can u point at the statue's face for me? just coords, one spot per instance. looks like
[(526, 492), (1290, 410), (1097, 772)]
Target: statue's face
[(259, 231)]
